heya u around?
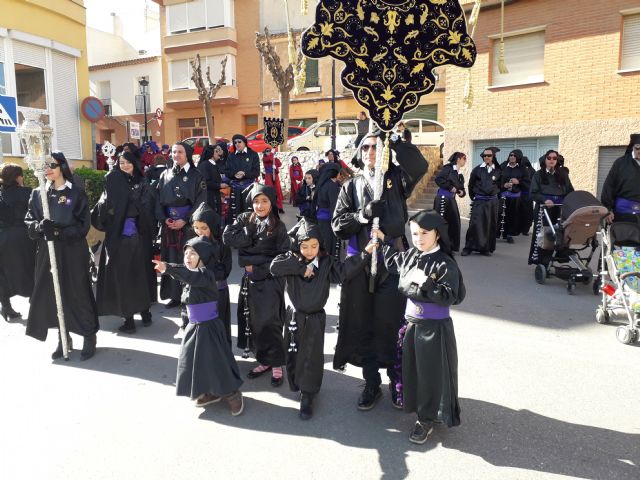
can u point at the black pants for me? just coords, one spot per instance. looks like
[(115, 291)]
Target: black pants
[(371, 374)]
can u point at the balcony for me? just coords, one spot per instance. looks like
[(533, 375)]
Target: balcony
[(196, 41)]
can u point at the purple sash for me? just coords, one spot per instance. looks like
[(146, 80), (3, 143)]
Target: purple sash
[(178, 213), (626, 206), (268, 170), (222, 284), (484, 198), (554, 198), (446, 193), (508, 194), (130, 228), (245, 182), (324, 214), (426, 311), (202, 312), (352, 246)]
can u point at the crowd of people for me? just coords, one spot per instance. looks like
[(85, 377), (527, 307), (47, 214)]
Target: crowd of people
[(397, 318)]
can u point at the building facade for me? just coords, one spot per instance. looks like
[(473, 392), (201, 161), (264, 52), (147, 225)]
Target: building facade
[(573, 72), (43, 63)]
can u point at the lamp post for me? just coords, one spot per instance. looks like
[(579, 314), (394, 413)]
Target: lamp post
[(35, 138), (144, 83), (333, 104)]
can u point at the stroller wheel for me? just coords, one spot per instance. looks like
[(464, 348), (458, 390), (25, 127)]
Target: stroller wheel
[(626, 335), (602, 316), (541, 274)]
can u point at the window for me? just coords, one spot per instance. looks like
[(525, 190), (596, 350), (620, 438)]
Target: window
[(180, 75), (30, 87), (311, 70), (197, 15), (214, 63), (426, 112), (303, 122), (524, 58), (3, 84), (630, 58), (323, 130), (532, 148), (347, 129)]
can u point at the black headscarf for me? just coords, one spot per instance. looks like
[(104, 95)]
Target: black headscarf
[(189, 151), (633, 140), (239, 136), (269, 192), (133, 148), (431, 220), (225, 150), (205, 250), (207, 153), (314, 174), (495, 151), (327, 172), (305, 230), (561, 172), (518, 154), (64, 165), (204, 213), (453, 159)]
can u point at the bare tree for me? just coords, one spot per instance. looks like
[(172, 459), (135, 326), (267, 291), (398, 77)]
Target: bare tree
[(207, 91), (284, 78)]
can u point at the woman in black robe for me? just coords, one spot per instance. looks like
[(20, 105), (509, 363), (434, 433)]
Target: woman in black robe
[(326, 199), (484, 187), (621, 189), (211, 174), (451, 183), (513, 180), (260, 236), (549, 186), (17, 250), (180, 191), (526, 203), (309, 271), (127, 283), (67, 228), (432, 282), (242, 169)]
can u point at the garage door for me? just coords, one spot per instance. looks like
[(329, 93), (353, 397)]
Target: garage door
[(533, 148), (606, 157)]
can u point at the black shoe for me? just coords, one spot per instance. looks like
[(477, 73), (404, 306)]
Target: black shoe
[(369, 397), (128, 326), (281, 211), (466, 252), (486, 254), (306, 406), (510, 240), (88, 347), (394, 397), (252, 374), (421, 432), (146, 318), (7, 312), (276, 382), (173, 304), (58, 352)]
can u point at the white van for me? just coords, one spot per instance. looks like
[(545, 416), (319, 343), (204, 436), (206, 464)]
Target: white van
[(427, 133), (318, 136)]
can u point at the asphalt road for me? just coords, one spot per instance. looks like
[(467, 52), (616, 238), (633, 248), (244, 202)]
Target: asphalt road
[(545, 393)]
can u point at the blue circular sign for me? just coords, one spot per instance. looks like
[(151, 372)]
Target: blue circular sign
[(92, 109)]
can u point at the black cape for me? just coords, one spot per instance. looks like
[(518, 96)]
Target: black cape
[(623, 181), (69, 209), (448, 178), (211, 175), (512, 220), (483, 222)]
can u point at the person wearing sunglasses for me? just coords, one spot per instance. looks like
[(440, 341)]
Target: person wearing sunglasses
[(371, 310), (67, 228), (513, 182), (484, 187), (243, 168), (621, 189), (549, 186)]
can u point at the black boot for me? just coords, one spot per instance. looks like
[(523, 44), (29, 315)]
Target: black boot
[(7, 312), (146, 318), (306, 406), (88, 347), (59, 353), (128, 326)]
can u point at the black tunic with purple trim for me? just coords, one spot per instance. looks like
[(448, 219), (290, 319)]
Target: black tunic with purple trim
[(483, 222), (445, 201), (431, 282)]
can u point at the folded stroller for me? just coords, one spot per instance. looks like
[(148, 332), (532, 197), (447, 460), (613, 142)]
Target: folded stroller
[(619, 280), (572, 239)]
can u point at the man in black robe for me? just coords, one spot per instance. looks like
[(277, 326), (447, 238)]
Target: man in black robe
[(209, 170), (369, 320), (621, 190), (242, 168), (514, 180), (484, 187)]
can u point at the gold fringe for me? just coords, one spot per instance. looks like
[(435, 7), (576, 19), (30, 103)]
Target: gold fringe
[(502, 66), (468, 88), (304, 6)]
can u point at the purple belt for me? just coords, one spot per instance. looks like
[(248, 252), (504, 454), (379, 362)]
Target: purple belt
[(268, 169), (130, 228), (554, 198), (222, 284), (525, 192), (626, 206), (245, 182), (426, 311), (352, 246), (446, 193), (178, 213), (511, 194), (484, 198), (202, 312), (323, 214)]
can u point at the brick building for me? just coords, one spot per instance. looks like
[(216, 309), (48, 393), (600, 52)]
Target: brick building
[(574, 73)]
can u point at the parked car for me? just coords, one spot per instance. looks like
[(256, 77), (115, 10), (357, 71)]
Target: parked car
[(318, 136), (198, 143), (428, 133), (255, 140)]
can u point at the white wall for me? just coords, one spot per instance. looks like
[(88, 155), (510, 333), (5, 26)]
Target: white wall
[(274, 17)]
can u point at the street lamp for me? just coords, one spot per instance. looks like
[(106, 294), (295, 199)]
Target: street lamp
[(144, 83)]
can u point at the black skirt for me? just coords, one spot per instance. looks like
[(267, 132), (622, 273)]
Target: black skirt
[(305, 350), (448, 209), (17, 262), (206, 363), (483, 226), (430, 371)]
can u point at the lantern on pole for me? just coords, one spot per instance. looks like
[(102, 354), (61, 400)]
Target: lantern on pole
[(109, 150), (35, 138)]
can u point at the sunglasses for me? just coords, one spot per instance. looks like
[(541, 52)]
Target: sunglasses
[(365, 148), (52, 165), (487, 155), (552, 158), (512, 154)]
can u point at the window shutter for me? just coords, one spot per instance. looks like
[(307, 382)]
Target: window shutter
[(65, 96), (606, 157), (426, 112), (177, 18), (180, 77), (196, 15), (311, 79), (215, 13), (524, 57), (631, 43), (28, 54)]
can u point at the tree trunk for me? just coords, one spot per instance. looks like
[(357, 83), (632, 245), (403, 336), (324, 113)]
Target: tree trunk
[(209, 119), (284, 114)]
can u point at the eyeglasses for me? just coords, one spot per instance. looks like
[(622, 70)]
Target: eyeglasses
[(487, 155), (52, 165), (365, 147), (551, 158)]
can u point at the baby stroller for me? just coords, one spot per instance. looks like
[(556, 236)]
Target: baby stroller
[(572, 240), (619, 280)]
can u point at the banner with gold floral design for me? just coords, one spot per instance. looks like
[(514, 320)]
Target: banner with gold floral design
[(390, 48)]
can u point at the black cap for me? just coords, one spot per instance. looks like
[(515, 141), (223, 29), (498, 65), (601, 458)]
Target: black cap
[(431, 220), (204, 249), (305, 230)]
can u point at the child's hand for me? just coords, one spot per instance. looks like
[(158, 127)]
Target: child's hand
[(371, 245), (160, 266), (378, 234), (248, 269), (308, 273)]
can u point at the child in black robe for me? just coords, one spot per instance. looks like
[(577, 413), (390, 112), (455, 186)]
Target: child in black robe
[(432, 282), (207, 370), (309, 271)]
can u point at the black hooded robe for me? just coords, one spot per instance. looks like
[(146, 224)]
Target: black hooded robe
[(511, 219), (369, 322), (306, 321), (326, 199), (247, 162), (445, 201), (621, 189), (127, 282), (69, 209), (185, 191), (17, 250), (526, 203), (483, 222), (211, 175)]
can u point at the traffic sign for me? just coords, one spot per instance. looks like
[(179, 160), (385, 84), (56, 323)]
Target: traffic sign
[(8, 114), (134, 129), (92, 109)]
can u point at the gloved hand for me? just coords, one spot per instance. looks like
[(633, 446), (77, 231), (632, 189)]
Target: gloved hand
[(49, 230), (374, 209)]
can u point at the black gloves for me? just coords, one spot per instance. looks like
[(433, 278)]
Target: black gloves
[(374, 209), (49, 230)]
